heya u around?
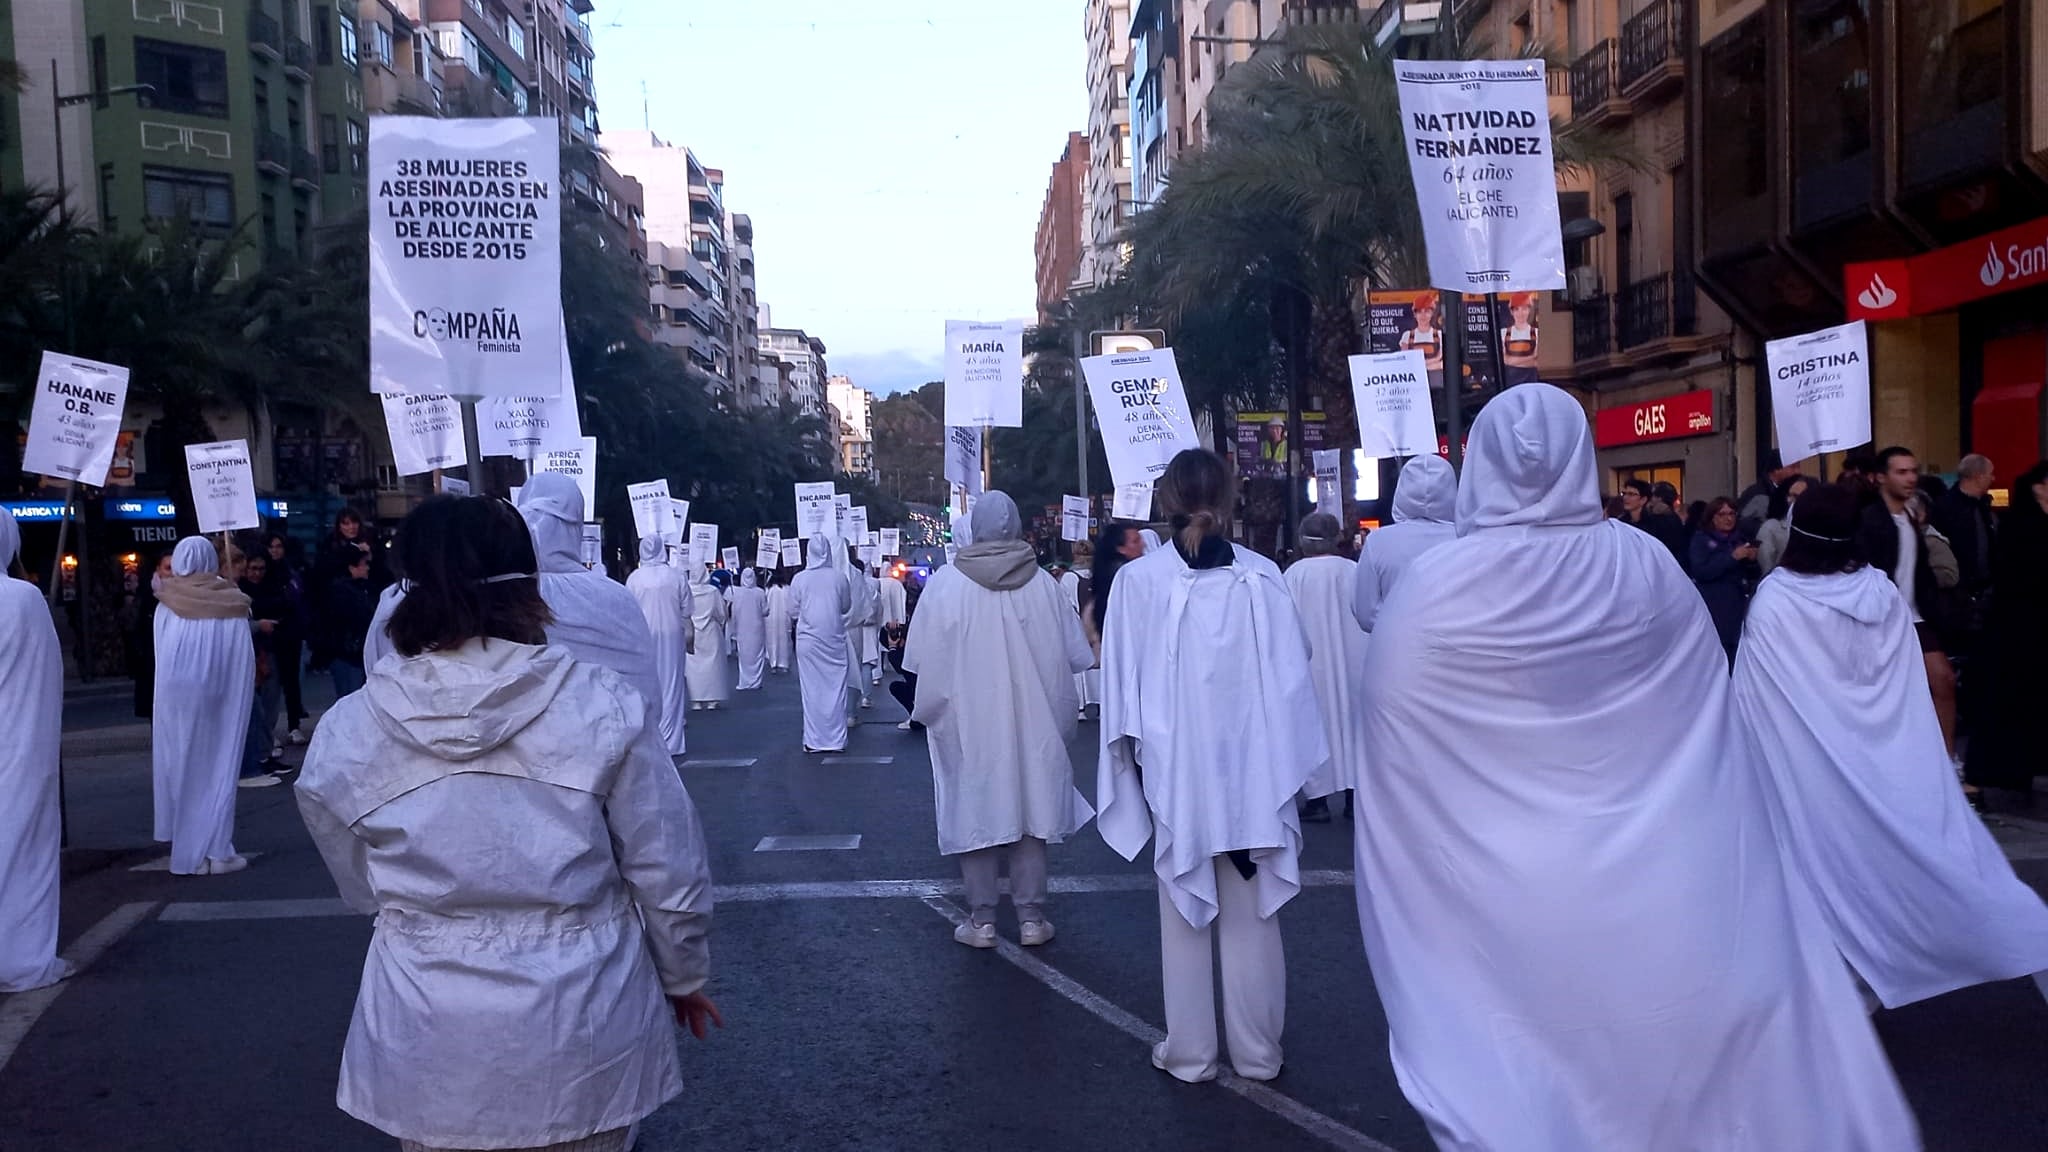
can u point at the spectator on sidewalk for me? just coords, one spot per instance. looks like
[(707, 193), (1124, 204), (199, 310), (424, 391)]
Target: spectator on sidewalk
[(1719, 565), (1760, 501), (260, 753), (1641, 508), (285, 590), (1891, 537), (32, 700), (535, 865), (2005, 748), (351, 605), (205, 690), (1964, 515), (1777, 529)]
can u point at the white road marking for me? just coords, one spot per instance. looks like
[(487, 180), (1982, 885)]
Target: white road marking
[(732, 762), (856, 761), (256, 909), (163, 863), (20, 1011), (846, 843), (1332, 1132)]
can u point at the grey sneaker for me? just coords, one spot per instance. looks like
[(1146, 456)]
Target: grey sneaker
[(976, 935), (1032, 933)]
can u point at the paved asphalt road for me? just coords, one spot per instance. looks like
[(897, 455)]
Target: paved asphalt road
[(213, 1015)]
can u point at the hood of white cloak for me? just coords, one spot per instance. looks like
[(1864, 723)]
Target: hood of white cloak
[(1865, 595), (1529, 463), (461, 704), (10, 541), (552, 506), (1428, 490)]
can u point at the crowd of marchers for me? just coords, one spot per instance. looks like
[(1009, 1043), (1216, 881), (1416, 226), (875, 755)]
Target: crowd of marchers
[(1594, 920)]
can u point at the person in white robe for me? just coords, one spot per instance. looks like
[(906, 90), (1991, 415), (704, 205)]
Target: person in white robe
[(32, 700), (535, 867), (1578, 922), (748, 607), (1425, 515), (895, 598), (780, 625), (819, 599), (1833, 699), (863, 609), (664, 602), (1322, 584), (709, 674), (994, 650), (596, 619), (205, 687), (1088, 681), (1209, 728)]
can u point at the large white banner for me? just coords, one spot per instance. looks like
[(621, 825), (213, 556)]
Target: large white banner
[(892, 541), (1143, 411), (985, 374), (1073, 517), (1390, 393), (76, 420), (1479, 148), (1820, 391), (465, 256), (579, 463), (652, 509), (703, 545), (223, 487), (963, 458), (426, 433), (814, 510), (768, 549), (792, 554)]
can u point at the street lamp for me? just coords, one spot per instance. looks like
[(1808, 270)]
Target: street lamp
[(59, 102)]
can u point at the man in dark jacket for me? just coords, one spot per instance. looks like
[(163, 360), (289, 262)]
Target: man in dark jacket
[(351, 604), (1643, 510), (1753, 507), (1892, 539), (1963, 514)]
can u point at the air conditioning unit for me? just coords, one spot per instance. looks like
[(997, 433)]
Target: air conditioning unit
[(1582, 283)]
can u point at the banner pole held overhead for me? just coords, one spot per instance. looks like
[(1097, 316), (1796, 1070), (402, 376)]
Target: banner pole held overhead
[(1454, 380)]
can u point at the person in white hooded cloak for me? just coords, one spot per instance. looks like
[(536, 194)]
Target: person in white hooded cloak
[(32, 699), (709, 675), (665, 604), (205, 687), (1076, 587), (863, 610), (1321, 583), (596, 619), (780, 625), (819, 599), (1209, 728), (1425, 515), (994, 650), (748, 606), (1580, 927), (1833, 700)]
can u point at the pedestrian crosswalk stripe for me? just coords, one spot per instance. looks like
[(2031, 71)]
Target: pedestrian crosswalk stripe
[(856, 761), (846, 843), (733, 762)]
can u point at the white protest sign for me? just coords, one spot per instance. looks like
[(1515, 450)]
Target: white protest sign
[(1479, 148), (652, 509), (1143, 411), (984, 374), (1330, 481), (768, 550), (792, 554), (1132, 502), (678, 518), (579, 463), (223, 487), (1390, 393), (426, 433), (730, 558), (963, 458), (1820, 391), (892, 541), (523, 427), (593, 545), (465, 256), (871, 555), (814, 510), (76, 420), (857, 523), (842, 517), (703, 545), (1073, 517), (450, 486)]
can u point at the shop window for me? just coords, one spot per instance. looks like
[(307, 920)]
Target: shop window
[(1654, 474)]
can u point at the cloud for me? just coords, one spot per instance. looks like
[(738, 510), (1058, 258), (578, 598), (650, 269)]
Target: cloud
[(887, 373)]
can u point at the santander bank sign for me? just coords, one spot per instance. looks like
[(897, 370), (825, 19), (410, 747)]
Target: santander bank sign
[(1946, 278)]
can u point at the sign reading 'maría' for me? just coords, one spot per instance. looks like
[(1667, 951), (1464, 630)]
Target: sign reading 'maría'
[(985, 374)]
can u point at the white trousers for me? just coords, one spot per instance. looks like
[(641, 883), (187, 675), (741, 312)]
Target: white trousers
[(1254, 984)]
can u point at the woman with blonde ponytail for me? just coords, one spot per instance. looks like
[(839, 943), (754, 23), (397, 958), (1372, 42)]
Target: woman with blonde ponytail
[(1209, 728)]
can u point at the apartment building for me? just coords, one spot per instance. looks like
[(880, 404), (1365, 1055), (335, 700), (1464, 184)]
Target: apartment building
[(745, 313), (1062, 227), (1107, 196), (854, 407), (804, 356)]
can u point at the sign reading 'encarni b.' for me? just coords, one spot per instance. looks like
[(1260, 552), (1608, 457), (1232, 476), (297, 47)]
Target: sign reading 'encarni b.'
[(465, 256)]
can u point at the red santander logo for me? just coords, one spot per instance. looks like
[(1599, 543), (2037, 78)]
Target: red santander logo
[(1879, 290)]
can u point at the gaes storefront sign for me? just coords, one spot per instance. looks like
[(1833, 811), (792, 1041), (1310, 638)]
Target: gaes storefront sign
[(1669, 418)]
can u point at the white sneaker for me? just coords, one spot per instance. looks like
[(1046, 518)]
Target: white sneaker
[(264, 781), (867, 702), (277, 751), (223, 867), (903, 727), (295, 738), (1032, 933), (976, 935)]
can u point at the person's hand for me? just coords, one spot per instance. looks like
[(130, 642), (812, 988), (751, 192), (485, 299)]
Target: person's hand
[(694, 1010), (266, 626), (1746, 552)]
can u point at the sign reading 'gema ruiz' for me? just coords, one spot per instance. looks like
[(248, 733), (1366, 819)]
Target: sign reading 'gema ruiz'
[(465, 257)]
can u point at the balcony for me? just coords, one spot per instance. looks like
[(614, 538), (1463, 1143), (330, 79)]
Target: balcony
[(1596, 87), (1659, 308), (298, 59), (1399, 20), (1652, 53), (264, 38), (305, 170), (417, 94), (273, 154), (1593, 328)]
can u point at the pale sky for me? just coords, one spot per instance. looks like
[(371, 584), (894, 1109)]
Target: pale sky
[(893, 154)]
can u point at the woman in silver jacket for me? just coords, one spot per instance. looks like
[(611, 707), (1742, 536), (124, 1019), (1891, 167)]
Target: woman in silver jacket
[(534, 863)]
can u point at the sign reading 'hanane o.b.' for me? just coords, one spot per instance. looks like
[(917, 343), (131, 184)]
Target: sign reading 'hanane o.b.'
[(76, 419), (465, 257), (1479, 149)]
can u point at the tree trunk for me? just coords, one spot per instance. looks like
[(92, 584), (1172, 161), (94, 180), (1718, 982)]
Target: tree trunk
[(1333, 339)]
